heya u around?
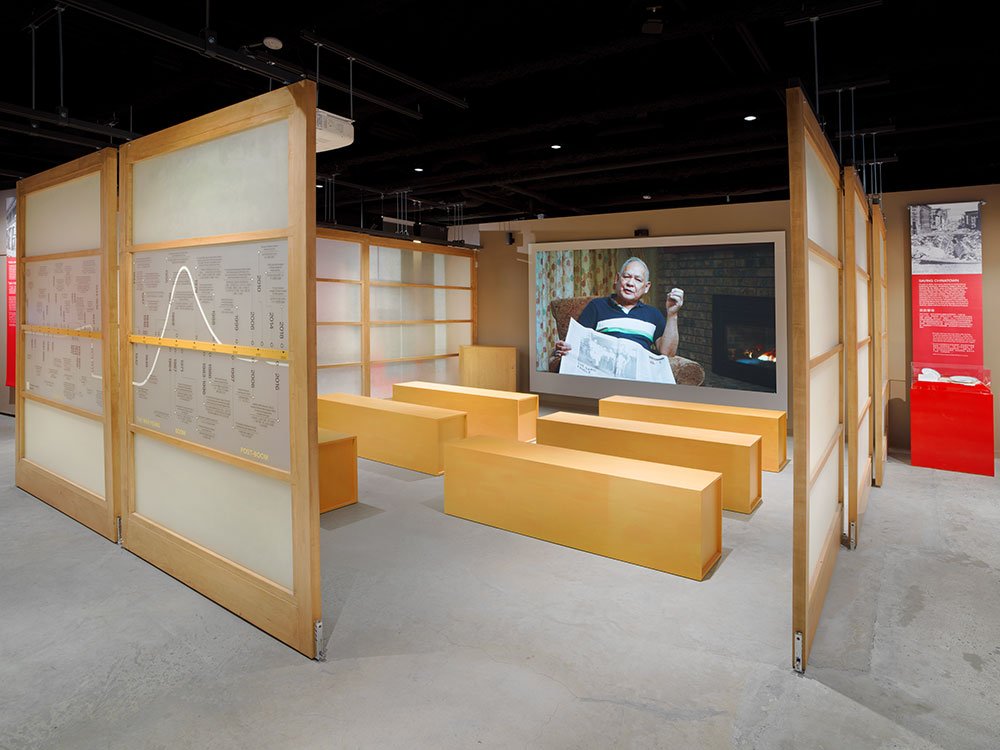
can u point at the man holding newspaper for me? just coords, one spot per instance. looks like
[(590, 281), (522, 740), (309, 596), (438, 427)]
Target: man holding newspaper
[(623, 316)]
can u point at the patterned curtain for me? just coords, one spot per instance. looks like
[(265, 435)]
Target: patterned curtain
[(553, 280), (594, 271)]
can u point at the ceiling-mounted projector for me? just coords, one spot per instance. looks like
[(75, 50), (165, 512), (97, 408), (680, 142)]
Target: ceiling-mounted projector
[(332, 131)]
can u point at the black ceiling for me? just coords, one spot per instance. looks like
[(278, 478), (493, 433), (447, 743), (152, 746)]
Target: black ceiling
[(637, 114)]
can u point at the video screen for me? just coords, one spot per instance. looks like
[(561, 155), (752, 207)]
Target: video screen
[(700, 315)]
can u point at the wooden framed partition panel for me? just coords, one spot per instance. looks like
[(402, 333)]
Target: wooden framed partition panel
[(817, 367), (218, 350), (390, 311), (67, 360), (880, 344), (858, 353)]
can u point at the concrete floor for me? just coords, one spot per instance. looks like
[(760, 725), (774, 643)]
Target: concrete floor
[(447, 634)]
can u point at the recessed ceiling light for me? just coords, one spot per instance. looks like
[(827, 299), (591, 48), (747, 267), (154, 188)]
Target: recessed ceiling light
[(555, 146), (647, 197), (750, 118), (319, 184), (418, 169)]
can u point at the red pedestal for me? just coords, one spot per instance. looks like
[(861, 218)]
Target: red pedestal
[(951, 427)]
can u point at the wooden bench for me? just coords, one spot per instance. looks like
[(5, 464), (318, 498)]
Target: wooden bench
[(735, 455), (489, 412), (664, 517), (770, 424), (338, 470), (393, 432)]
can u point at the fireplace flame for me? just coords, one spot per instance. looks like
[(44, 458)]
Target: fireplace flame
[(768, 357)]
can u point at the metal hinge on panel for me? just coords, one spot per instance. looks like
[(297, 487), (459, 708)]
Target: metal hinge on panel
[(118, 527), (798, 652), (318, 640), (853, 541)]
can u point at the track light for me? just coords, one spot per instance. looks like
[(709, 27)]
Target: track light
[(654, 22)]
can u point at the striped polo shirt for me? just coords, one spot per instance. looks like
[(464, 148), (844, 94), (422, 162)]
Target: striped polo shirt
[(642, 324)]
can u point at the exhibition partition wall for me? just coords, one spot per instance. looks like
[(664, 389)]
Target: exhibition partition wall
[(817, 367), (880, 343), (218, 357), (390, 311), (857, 352), (67, 313)]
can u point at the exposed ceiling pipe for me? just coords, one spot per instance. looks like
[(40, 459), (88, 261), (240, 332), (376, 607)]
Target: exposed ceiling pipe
[(207, 47), (383, 69)]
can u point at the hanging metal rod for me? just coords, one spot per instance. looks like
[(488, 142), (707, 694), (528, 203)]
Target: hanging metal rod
[(283, 73), (383, 69), (66, 122), (877, 130)]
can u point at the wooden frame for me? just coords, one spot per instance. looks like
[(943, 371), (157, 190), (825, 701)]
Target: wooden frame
[(858, 414), (809, 586), (98, 512), (880, 344), (291, 615), (366, 324)]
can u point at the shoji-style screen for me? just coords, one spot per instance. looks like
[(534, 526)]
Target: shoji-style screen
[(817, 366), (391, 311), (880, 344), (858, 353), (67, 348), (218, 346)]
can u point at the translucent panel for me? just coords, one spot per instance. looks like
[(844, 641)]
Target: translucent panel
[(64, 293), (337, 302), (336, 344), (66, 369), (237, 183), (419, 267), (241, 515), (824, 306), (457, 270), (64, 218), (242, 294), (434, 371), (232, 404), (860, 237), (863, 376), (865, 446), (824, 502), (862, 307), (65, 444), (392, 342), (824, 409), (417, 303), (821, 204), (338, 260), (339, 380)]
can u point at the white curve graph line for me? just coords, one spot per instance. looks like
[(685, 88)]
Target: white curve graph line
[(166, 321)]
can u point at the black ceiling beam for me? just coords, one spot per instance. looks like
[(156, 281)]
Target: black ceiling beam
[(834, 10), (53, 135), (383, 69), (208, 48), (543, 199)]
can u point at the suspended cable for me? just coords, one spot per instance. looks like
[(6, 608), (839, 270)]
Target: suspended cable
[(840, 139), (854, 156), (815, 20), (62, 104)]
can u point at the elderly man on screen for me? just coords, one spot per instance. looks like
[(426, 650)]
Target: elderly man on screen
[(624, 315)]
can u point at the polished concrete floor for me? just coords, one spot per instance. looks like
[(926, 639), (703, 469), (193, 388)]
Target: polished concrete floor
[(447, 634)]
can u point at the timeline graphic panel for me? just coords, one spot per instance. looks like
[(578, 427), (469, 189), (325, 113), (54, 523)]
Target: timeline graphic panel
[(64, 369), (64, 293), (232, 294), (226, 295)]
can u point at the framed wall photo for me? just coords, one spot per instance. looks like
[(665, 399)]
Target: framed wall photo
[(692, 318)]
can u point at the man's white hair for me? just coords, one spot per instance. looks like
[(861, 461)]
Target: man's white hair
[(631, 260)]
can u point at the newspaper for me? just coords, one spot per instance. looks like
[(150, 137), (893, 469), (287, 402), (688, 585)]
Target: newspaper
[(599, 355)]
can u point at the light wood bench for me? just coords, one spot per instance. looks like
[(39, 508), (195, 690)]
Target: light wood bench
[(664, 517), (393, 432), (489, 412), (770, 424), (338, 470), (735, 455)]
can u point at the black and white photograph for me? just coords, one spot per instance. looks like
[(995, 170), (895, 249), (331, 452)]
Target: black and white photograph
[(945, 238)]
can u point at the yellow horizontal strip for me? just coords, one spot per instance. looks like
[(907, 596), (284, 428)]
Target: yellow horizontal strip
[(210, 346), (61, 331)]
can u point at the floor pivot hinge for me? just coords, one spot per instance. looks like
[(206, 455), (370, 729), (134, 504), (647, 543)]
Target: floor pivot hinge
[(798, 653), (318, 640), (118, 529)]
